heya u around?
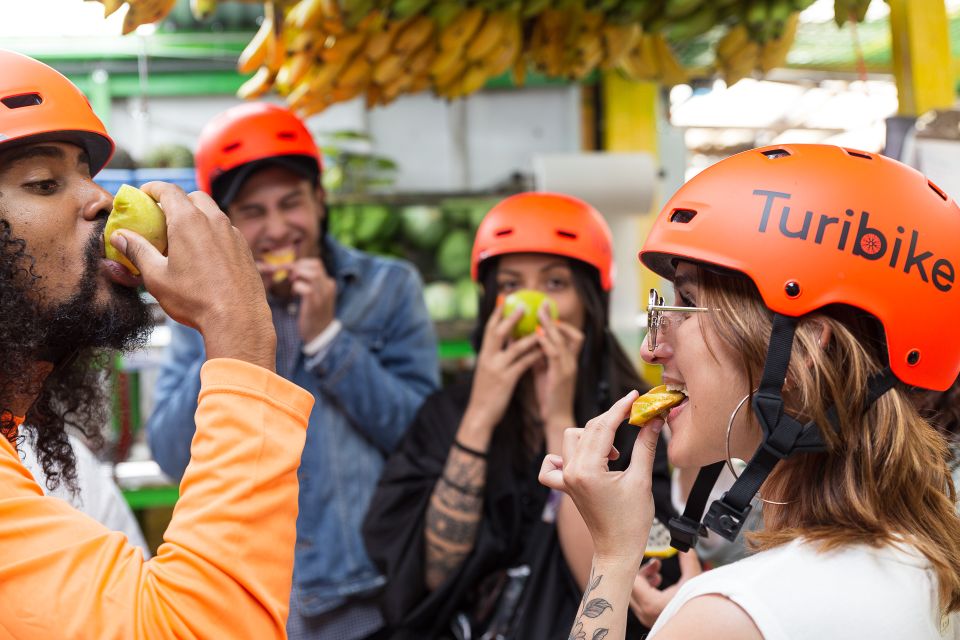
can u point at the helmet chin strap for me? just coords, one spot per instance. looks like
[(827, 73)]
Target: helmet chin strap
[(783, 436)]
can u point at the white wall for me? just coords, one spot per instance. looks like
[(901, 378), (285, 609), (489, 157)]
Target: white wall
[(472, 144)]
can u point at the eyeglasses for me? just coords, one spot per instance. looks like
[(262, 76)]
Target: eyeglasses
[(655, 316)]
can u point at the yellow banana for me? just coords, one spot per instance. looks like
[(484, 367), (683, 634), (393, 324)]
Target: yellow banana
[(374, 93), (450, 75), (391, 90), (258, 85), (487, 36), (380, 41), (773, 53), (414, 35), (388, 69), (306, 15), (255, 53), (473, 80), (640, 62), (506, 52), (444, 61), (355, 74), (519, 72), (461, 29), (276, 53), (419, 63), (342, 47), (146, 12), (419, 83), (293, 70), (617, 40), (671, 71), (732, 41)]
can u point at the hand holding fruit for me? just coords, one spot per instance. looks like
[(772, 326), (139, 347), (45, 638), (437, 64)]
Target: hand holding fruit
[(500, 363), (318, 295), (555, 378), (208, 280), (617, 506)]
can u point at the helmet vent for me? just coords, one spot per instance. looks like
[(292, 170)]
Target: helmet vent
[(937, 190), (287, 135), (24, 100), (567, 234), (503, 232), (773, 154), (859, 154), (230, 148), (683, 216)]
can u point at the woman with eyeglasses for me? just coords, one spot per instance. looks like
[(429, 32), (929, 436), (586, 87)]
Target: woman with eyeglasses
[(817, 287), (469, 541)]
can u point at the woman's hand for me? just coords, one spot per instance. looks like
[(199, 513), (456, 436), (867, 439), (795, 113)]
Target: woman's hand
[(555, 377), (500, 363), (617, 506), (647, 601)]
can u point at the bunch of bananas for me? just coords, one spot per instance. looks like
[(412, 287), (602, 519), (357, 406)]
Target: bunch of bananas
[(139, 11), (319, 52), (738, 56)]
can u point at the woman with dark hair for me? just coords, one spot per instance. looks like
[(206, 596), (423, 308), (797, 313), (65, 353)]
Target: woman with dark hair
[(471, 544)]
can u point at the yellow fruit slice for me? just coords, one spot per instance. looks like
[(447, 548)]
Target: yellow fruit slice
[(653, 403), (135, 210), (658, 542), (280, 258)]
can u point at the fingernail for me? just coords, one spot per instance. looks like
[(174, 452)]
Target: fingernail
[(656, 426), (539, 330), (119, 242), (500, 299)]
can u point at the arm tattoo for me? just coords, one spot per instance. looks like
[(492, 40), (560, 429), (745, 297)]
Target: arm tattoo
[(590, 608), (453, 516)]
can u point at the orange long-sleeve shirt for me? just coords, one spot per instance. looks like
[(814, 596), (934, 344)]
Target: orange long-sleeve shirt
[(226, 564)]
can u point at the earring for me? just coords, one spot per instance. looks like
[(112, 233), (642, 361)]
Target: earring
[(729, 460)]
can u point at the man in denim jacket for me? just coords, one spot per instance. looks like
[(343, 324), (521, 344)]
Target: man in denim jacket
[(351, 327)]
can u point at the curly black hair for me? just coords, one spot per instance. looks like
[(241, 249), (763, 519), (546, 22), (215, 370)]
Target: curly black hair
[(74, 336)]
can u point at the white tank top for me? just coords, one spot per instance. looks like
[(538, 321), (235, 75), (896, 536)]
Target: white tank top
[(794, 592)]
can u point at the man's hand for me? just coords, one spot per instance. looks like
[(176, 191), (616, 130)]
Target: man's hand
[(208, 279), (318, 296)]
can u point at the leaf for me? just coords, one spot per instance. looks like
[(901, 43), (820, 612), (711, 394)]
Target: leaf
[(596, 607), (595, 583), (577, 632), (600, 634)]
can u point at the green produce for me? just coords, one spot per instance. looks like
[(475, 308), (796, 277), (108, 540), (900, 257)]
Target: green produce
[(529, 300), (468, 302), (422, 226), (441, 300), (453, 255), (373, 222), (135, 210)]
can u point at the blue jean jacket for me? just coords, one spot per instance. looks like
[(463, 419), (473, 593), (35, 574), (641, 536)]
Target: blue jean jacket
[(368, 384)]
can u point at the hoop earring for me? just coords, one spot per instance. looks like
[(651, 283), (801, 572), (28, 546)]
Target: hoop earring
[(729, 460)]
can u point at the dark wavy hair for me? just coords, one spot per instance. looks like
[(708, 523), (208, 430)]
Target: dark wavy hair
[(72, 336)]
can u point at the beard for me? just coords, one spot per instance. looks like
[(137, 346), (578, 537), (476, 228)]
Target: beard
[(80, 323), (75, 335)]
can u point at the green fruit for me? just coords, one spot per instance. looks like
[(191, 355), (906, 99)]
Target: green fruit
[(441, 301), (423, 226), (453, 254), (529, 300), (468, 302), (135, 210)]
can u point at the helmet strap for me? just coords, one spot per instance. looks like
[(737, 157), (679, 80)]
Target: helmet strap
[(783, 436)]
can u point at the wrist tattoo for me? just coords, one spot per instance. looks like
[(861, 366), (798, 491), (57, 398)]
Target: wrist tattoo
[(590, 608)]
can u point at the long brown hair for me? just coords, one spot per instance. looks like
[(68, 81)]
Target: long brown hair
[(885, 475)]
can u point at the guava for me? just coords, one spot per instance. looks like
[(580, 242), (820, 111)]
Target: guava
[(529, 300), (135, 210)]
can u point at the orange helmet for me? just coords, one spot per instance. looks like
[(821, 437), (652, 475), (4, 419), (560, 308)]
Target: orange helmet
[(546, 223), (37, 104), (815, 225), (238, 141)]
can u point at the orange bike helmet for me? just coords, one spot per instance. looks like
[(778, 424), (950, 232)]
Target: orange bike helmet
[(546, 223), (39, 104), (240, 140), (815, 225)]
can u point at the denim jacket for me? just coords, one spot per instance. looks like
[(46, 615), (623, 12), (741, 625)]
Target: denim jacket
[(368, 382)]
